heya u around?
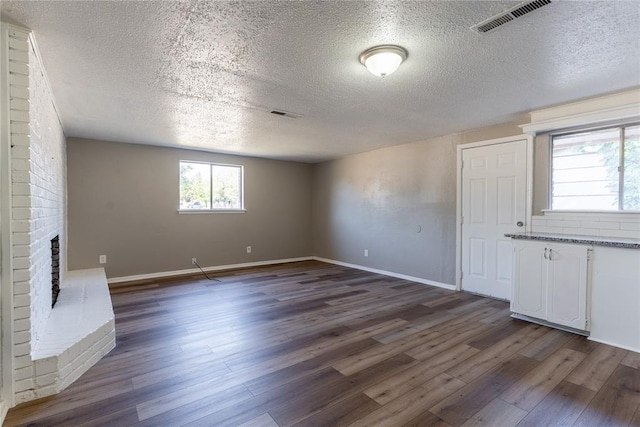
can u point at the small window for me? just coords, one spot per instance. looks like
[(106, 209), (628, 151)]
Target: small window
[(596, 170), (210, 186)]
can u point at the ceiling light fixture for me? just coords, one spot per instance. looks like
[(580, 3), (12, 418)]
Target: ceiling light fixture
[(384, 59)]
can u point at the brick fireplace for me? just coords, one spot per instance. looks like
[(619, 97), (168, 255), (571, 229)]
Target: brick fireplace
[(51, 346), (55, 270)]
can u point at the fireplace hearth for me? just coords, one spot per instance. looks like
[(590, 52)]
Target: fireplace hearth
[(55, 269)]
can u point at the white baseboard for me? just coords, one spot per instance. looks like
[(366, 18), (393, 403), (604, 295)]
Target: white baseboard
[(163, 274), (625, 347), (388, 273)]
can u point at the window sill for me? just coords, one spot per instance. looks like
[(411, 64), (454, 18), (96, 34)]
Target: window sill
[(209, 211)]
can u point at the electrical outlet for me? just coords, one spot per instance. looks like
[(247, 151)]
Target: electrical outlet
[(248, 249), (194, 261), (366, 252), (103, 259)]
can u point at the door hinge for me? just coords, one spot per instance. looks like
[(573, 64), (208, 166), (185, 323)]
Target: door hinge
[(461, 274)]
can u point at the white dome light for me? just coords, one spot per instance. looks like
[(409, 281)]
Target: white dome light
[(383, 60)]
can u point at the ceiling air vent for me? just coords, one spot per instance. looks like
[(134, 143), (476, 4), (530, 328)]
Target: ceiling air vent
[(509, 15), (286, 114)]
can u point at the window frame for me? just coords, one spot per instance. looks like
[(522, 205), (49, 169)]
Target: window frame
[(564, 132), (211, 209)]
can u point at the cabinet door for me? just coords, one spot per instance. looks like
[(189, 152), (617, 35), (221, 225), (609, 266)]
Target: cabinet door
[(567, 285), (529, 290)]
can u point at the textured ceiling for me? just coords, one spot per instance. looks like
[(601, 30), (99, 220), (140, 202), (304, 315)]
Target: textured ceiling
[(205, 74)]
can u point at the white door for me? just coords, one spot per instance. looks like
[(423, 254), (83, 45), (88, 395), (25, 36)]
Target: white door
[(494, 187)]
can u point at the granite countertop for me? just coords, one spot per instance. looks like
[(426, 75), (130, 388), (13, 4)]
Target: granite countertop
[(612, 242)]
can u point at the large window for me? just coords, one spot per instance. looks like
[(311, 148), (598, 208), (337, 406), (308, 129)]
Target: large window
[(210, 186), (596, 170)]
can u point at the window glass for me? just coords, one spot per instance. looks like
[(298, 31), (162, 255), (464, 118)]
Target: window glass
[(227, 184), (195, 185), (207, 186), (631, 187), (589, 172)]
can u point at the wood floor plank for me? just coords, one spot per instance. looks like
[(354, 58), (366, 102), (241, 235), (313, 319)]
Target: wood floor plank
[(370, 357), (259, 345), (636, 419), (448, 297), (561, 407), (497, 412), (527, 392), (427, 419), (191, 368), (470, 399), (293, 414), (268, 381), (596, 368), (327, 383), (616, 402), (380, 372), (419, 374), (410, 405), (402, 332), (446, 341), (125, 417), (196, 408), (331, 343), (497, 317), (482, 362), (342, 413), (497, 333), (263, 420), (547, 344), (632, 360), (581, 343), (177, 398)]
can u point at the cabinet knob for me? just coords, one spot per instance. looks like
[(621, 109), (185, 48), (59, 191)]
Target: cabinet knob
[(520, 223)]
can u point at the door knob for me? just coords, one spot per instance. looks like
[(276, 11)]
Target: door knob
[(519, 223)]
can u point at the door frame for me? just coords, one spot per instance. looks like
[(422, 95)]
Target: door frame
[(529, 192)]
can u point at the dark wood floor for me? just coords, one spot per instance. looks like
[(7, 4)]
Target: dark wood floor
[(312, 344)]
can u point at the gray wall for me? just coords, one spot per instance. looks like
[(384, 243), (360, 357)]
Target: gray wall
[(123, 200), (541, 163), (398, 202)]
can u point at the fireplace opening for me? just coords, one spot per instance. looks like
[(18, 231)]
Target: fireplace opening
[(55, 269)]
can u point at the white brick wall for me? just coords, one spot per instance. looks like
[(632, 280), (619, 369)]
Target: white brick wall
[(603, 224), (38, 210), (21, 212), (38, 200), (47, 167)]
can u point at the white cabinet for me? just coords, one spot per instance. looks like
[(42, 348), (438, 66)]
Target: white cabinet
[(551, 282)]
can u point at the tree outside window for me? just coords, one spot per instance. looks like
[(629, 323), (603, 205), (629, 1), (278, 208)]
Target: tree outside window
[(210, 186)]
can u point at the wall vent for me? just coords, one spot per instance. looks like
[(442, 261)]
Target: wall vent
[(509, 15), (286, 114)]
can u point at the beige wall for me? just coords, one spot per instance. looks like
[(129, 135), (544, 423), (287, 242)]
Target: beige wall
[(123, 200), (397, 202)]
